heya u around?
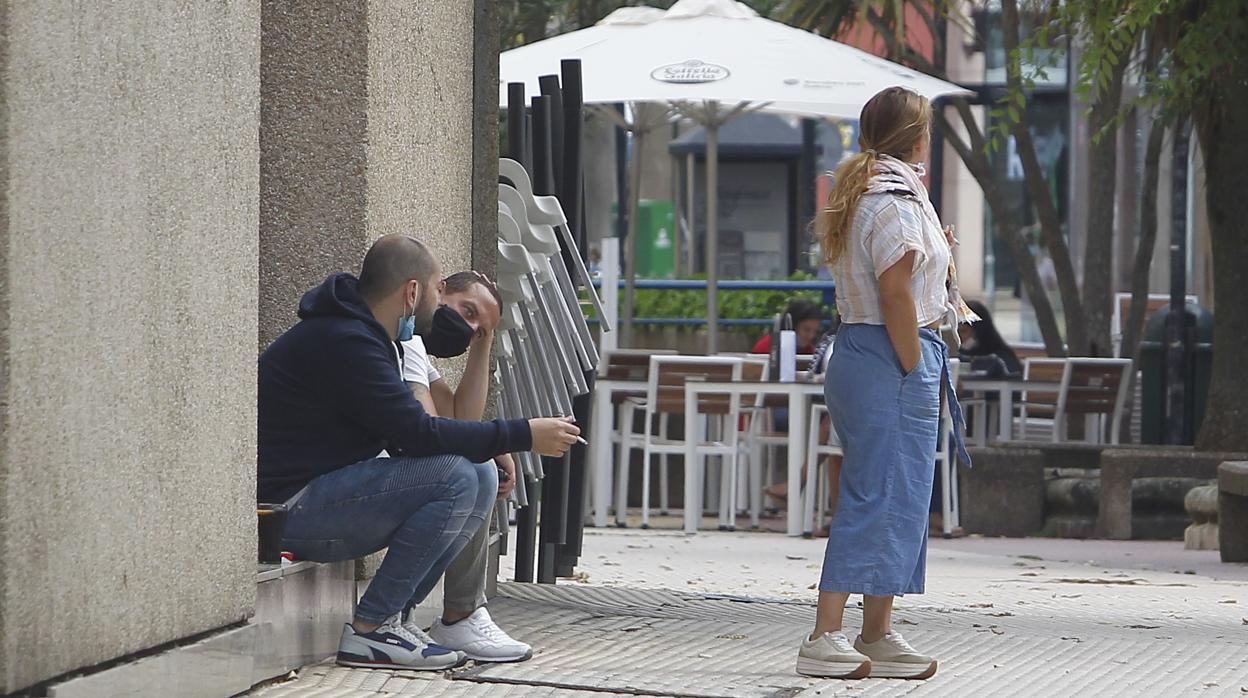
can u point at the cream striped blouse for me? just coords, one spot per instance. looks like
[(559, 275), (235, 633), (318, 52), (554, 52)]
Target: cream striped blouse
[(885, 228)]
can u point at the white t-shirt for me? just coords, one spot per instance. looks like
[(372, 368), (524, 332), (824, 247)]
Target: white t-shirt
[(416, 365)]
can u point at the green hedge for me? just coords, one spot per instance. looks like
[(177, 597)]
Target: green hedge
[(733, 304)]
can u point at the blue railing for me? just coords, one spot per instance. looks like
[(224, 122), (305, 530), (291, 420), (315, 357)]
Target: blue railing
[(826, 287)]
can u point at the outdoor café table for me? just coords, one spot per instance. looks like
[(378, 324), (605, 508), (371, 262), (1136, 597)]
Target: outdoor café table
[(798, 393), (600, 440), (1005, 389)]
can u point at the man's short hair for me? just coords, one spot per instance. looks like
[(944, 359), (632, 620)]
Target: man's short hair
[(392, 261), (461, 281)]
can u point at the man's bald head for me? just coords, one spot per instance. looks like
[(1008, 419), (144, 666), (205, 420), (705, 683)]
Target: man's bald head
[(392, 261)]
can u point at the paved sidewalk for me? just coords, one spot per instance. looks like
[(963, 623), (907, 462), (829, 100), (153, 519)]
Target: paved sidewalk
[(720, 614)]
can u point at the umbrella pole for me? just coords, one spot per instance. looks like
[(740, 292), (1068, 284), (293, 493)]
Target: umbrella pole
[(712, 228), (691, 182), (630, 251)]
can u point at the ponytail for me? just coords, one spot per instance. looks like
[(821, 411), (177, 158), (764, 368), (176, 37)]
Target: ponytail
[(833, 222)]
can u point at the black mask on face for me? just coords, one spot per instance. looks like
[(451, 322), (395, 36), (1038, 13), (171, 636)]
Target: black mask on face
[(449, 335)]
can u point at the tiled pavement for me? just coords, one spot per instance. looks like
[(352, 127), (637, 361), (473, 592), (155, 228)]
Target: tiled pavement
[(729, 610)]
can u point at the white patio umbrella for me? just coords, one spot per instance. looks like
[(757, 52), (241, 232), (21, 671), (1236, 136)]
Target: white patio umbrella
[(712, 60)]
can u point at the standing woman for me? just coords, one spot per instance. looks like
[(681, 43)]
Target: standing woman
[(895, 284)]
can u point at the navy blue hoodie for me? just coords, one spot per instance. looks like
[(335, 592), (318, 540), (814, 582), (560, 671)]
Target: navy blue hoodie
[(330, 395)]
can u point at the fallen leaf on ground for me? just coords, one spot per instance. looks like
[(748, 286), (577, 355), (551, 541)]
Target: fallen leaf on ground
[(979, 605), (998, 631), (1000, 614), (903, 621), (1141, 627), (1075, 639), (1029, 574), (1030, 557), (795, 557), (731, 637), (1228, 601)]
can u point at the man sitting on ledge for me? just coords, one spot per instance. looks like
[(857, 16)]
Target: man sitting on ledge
[(331, 398), (465, 323)]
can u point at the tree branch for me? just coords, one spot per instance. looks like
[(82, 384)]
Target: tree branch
[(1007, 230), (1037, 187)]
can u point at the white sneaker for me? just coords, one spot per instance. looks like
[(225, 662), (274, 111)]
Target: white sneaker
[(893, 657), (391, 646), (832, 656), (480, 638)]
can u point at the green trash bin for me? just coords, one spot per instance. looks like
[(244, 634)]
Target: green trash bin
[(1152, 365), (656, 228)]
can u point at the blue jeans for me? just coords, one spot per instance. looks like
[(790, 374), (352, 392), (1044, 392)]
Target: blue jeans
[(424, 509)]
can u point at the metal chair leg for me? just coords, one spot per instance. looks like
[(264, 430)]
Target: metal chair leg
[(663, 471), (621, 483)]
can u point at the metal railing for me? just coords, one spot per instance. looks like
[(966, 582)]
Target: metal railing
[(824, 286)]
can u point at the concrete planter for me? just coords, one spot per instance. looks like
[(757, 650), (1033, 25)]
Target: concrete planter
[(1233, 511), (1119, 492)]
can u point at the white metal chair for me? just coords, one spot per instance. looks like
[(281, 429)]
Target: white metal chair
[(630, 365), (1093, 388), (761, 438), (665, 396), (758, 436), (815, 495)]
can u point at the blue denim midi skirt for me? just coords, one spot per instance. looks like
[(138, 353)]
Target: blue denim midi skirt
[(888, 425)]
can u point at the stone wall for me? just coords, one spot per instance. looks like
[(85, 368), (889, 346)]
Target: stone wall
[(127, 328)]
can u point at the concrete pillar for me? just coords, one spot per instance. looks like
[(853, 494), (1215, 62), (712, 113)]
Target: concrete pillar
[(127, 326), (372, 122)]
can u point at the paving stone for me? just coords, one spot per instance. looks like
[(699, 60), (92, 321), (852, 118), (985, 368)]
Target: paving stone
[(998, 625)]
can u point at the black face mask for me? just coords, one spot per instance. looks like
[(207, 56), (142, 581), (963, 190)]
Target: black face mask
[(449, 335)]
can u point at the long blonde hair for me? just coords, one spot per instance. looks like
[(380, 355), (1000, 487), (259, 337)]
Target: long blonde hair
[(892, 123)]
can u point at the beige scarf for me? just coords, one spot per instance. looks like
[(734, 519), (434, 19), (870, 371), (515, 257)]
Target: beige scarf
[(892, 176)]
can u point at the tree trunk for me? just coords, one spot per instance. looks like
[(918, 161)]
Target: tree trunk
[(1005, 226), (1134, 328), (1037, 187), (1098, 256), (1221, 126)]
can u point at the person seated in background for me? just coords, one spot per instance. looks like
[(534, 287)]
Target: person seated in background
[(330, 399), (981, 342), (807, 317), (983, 350), (465, 322)]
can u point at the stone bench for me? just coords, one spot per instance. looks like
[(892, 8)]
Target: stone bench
[(1005, 493), (1233, 511), (1121, 467)]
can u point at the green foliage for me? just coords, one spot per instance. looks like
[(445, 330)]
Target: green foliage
[(1183, 50), (733, 304)]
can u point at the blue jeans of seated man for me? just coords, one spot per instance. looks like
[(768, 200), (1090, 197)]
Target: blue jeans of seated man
[(424, 509)]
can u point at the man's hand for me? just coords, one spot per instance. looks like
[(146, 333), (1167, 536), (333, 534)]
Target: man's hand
[(508, 466), (553, 436)]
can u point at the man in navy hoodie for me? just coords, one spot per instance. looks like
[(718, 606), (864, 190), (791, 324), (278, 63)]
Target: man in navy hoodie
[(331, 399)]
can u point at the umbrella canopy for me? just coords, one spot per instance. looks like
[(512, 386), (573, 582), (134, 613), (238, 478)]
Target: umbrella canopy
[(714, 60), (720, 50)]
